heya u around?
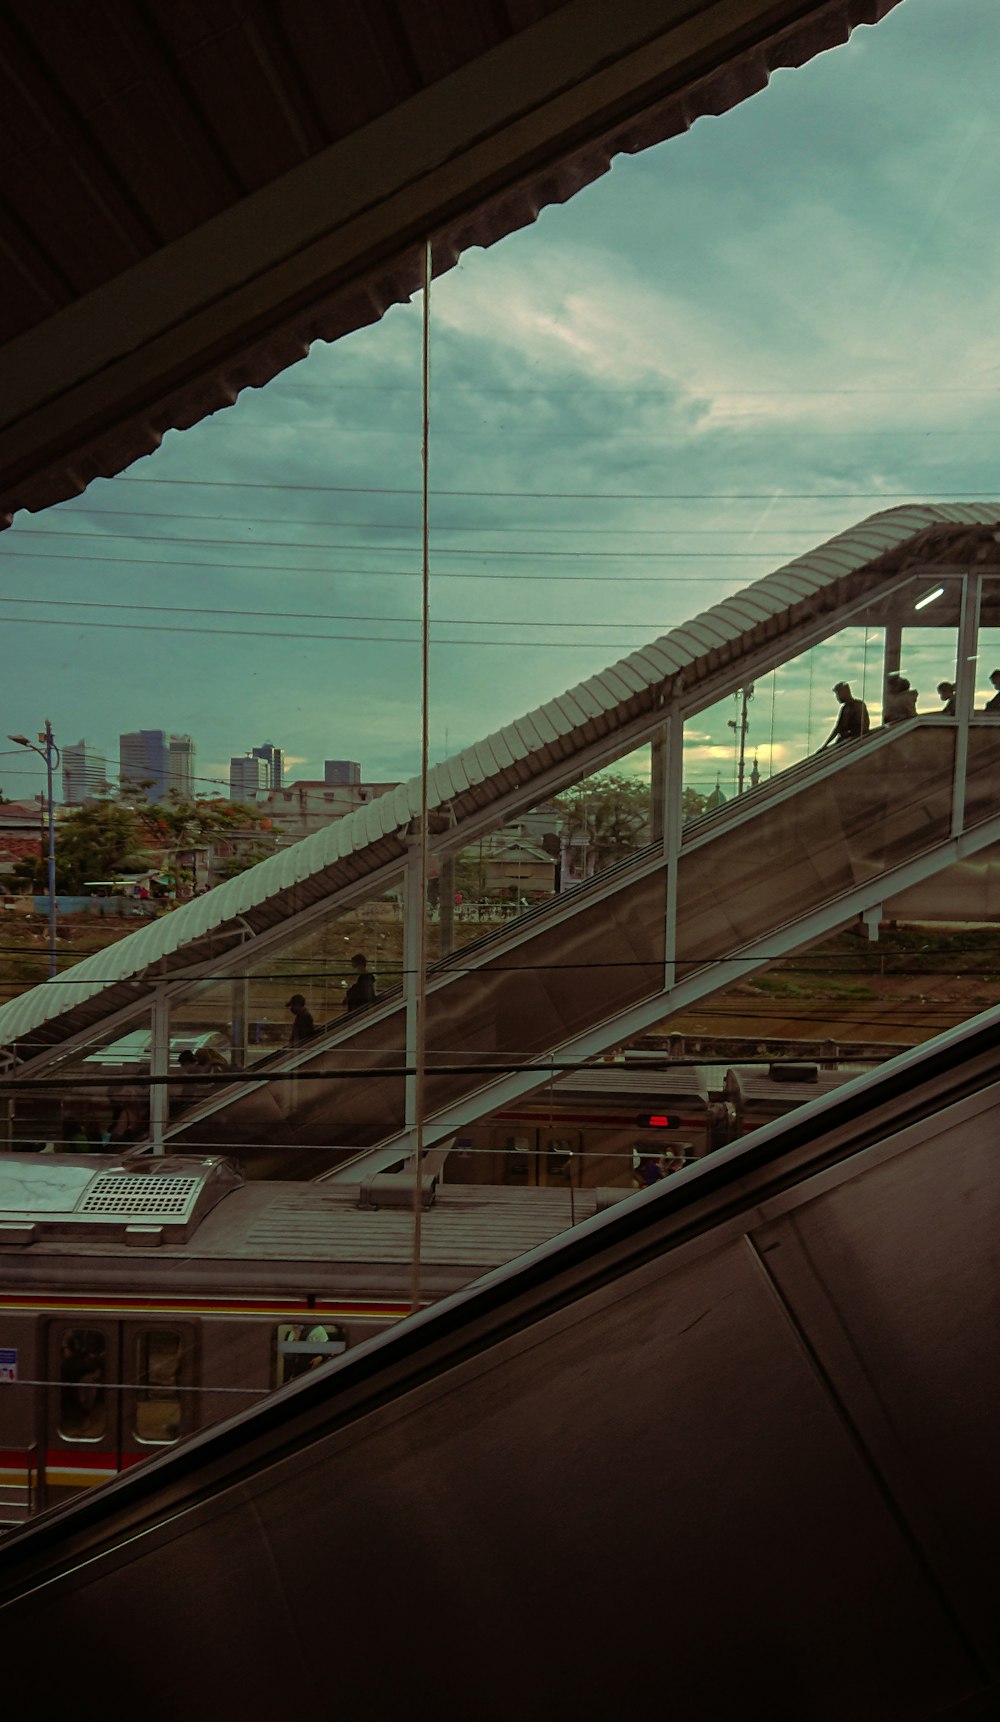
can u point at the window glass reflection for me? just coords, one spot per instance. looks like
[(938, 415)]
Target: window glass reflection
[(82, 1384), (301, 1347), (159, 1354)]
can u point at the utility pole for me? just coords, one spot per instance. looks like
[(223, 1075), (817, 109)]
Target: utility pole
[(740, 726), (46, 752)]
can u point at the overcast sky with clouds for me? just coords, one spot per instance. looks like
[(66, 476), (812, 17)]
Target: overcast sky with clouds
[(730, 348)]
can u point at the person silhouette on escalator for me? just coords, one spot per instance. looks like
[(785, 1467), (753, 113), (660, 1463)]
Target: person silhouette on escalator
[(852, 722), (303, 1026), (900, 700), (361, 992)]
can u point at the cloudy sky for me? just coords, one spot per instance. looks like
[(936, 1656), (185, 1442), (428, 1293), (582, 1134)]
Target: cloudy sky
[(730, 348)]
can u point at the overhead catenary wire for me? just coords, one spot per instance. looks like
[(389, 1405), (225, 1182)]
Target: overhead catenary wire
[(471, 552), (85, 510), (561, 495), (318, 615), (305, 634), (360, 573)]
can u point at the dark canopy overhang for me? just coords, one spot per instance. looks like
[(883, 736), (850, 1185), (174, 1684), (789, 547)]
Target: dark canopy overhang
[(195, 194)]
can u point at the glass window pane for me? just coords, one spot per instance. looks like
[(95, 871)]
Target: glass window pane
[(159, 1353), (301, 1346), (82, 1378), (890, 801)]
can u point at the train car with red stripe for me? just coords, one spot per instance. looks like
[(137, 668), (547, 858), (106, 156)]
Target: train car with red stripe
[(598, 1127), (614, 1124), (145, 1298)]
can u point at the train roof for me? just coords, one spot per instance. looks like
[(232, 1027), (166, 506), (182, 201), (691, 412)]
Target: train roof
[(686, 1081), (68, 1204), (792, 1085)]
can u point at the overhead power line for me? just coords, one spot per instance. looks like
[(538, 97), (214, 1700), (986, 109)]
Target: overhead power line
[(363, 573), (304, 634), (86, 510), (319, 615), (567, 495), (471, 553)]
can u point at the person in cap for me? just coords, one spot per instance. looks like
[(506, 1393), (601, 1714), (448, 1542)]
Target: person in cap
[(852, 720), (303, 1027), (993, 705)]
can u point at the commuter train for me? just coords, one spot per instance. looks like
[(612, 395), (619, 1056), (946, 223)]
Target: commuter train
[(146, 1298)]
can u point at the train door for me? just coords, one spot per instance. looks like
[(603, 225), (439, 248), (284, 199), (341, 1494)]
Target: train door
[(116, 1392)]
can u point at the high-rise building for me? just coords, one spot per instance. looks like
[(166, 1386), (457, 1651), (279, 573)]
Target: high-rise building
[(273, 760), (152, 764), (180, 767), (142, 763), (84, 773), (338, 772), (247, 777)]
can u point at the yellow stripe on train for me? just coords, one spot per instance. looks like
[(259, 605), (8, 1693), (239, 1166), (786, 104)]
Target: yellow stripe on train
[(291, 1311), (69, 1477)]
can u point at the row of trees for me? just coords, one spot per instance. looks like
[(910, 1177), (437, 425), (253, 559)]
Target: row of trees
[(106, 839)]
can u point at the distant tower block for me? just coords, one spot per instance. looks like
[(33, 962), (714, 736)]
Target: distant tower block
[(142, 763), (153, 764), (247, 777), (85, 773), (273, 760), (180, 767)]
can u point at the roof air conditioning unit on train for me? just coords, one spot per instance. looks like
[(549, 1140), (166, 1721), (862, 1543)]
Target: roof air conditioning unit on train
[(395, 1190)]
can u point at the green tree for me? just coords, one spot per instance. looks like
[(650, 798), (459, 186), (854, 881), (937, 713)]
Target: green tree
[(101, 840), (610, 812), (693, 803), (176, 825)]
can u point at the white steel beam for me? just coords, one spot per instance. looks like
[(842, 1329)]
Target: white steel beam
[(413, 909), (965, 692), (159, 1066)]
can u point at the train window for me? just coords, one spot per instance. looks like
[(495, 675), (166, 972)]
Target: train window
[(301, 1347), (83, 1373), (158, 1358)]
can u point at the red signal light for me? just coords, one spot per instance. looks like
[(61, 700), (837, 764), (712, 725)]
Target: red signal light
[(656, 1121)]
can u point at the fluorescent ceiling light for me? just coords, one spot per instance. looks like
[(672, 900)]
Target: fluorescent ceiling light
[(929, 598)]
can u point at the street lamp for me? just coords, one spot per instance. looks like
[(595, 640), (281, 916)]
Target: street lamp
[(46, 753)]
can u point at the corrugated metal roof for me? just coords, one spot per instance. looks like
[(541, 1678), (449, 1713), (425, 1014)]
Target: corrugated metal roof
[(469, 1225), (365, 840)]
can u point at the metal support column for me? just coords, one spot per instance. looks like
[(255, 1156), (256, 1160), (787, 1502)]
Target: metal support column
[(446, 900), (658, 785), (965, 693), (239, 1004), (893, 655), (673, 825), (159, 1065), (413, 911)]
